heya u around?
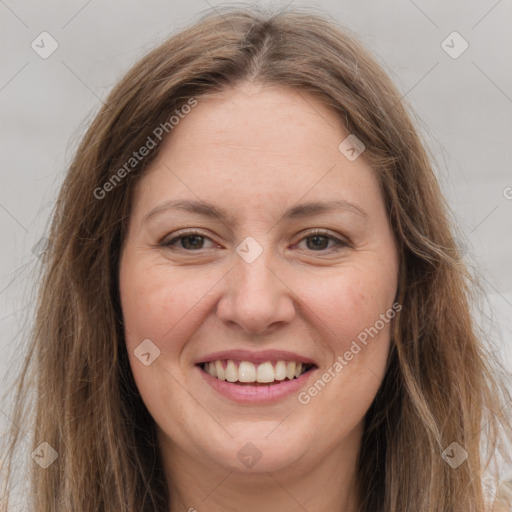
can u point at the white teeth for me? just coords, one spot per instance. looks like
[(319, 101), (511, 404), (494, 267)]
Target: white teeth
[(246, 371), (231, 371), (265, 372), (221, 374), (280, 371), (290, 370)]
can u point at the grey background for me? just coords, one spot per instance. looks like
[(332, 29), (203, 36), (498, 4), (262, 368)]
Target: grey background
[(464, 108)]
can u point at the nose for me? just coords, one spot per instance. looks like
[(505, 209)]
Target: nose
[(256, 299)]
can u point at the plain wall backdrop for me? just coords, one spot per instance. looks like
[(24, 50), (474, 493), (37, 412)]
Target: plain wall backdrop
[(462, 97)]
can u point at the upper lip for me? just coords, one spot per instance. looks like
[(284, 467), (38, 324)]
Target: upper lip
[(255, 357)]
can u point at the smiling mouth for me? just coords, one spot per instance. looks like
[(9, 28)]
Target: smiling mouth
[(248, 373)]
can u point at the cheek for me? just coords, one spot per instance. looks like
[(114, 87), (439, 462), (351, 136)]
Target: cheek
[(158, 301), (354, 312), (163, 303), (349, 301), (158, 304)]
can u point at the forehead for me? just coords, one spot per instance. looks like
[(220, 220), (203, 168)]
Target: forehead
[(255, 147), (257, 116)]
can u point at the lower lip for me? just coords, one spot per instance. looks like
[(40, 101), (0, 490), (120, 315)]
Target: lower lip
[(257, 394)]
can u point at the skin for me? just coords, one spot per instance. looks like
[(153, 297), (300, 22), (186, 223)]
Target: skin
[(256, 151)]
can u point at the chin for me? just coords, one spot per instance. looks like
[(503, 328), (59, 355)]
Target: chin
[(255, 450)]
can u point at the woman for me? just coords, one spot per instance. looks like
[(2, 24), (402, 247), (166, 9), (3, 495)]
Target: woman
[(252, 298)]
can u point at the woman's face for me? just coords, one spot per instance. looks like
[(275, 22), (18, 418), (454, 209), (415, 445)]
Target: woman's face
[(257, 286)]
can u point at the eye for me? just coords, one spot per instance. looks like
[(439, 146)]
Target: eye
[(318, 241), (189, 241)]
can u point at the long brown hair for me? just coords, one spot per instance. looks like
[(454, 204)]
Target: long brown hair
[(440, 387)]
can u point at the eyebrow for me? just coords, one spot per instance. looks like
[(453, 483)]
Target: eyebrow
[(216, 212)]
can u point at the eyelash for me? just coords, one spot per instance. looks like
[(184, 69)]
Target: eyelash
[(340, 244)]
